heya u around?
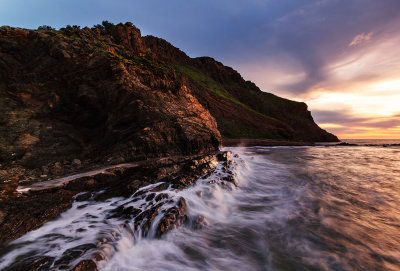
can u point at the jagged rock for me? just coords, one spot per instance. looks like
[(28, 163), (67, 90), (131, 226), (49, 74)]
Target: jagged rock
[(74, 95), (33, 209), (2, 216), (174, 216), (29, 264), (76, 163), (241, 109), (57, 169), (86, 265), (225, 156)]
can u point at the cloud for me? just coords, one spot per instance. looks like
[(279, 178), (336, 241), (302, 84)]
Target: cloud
[(342, 116), (360, 38), (345, 118), (317, 34), (345, 124)]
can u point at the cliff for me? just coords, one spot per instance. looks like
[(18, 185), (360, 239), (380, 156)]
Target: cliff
[(80, 94), (87, 104), (241, 109)]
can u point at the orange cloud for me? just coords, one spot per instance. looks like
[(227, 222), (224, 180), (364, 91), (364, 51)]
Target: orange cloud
[(360, 38)]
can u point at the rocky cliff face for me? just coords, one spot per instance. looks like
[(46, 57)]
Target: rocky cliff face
[(241, 109), (93, 96)]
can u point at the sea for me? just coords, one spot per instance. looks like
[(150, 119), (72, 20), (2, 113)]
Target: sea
[(323, 207)]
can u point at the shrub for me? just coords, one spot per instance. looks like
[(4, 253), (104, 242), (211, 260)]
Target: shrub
[(45, 27), (108, 27), (99, 27)]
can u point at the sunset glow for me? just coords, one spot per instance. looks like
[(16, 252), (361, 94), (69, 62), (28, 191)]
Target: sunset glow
[(354, 93)]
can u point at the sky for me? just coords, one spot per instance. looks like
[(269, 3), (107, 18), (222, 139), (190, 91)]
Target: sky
[(341, 57)]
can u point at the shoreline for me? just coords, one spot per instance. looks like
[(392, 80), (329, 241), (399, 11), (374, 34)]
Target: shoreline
[(247, 142), (26, 208)]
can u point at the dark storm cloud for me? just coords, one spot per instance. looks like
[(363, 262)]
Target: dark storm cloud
[(346, 118), (341, 116), (320, 32)]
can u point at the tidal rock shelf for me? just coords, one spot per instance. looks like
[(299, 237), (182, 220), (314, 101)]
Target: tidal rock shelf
[(60, 182), (100, 222), (23, 212)]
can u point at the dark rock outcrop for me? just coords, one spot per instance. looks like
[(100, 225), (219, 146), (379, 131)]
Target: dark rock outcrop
[(241, 109), (31, 209), (81, 94), (147, 181)]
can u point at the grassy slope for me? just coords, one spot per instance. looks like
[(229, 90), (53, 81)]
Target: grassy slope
[(229, 129)]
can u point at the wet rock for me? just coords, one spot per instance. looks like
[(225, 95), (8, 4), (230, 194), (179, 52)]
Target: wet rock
[(2, 216), (42, 263), (150, 197), (45, 170), (200, 222), (134, 185), (346, 144), (83, 196), (8, 189), (173, 217), (76, 164), (145, 218), (160, 187), (225, 156), (104, 177), (57, 169), (71, 254), (98, 257), (124, 212), (160, 197), (33, 209), (230, 179), (86, 265)]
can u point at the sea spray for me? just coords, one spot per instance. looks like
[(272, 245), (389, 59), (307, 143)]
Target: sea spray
[(295, 208), (93, 230)]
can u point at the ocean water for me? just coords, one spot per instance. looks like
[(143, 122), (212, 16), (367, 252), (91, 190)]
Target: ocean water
[(295, 208)]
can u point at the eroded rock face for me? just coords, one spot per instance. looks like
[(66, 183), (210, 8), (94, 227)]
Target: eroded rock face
[(94, 97), (26, 211), (242, 110)]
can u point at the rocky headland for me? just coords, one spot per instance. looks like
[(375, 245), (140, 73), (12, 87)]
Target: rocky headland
[(105, 109)]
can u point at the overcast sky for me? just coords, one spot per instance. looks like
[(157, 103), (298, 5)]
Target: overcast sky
[(341, 57)]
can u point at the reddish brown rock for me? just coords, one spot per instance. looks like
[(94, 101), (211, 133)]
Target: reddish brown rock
[(241, 109), (86, 265), (72, 94)]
